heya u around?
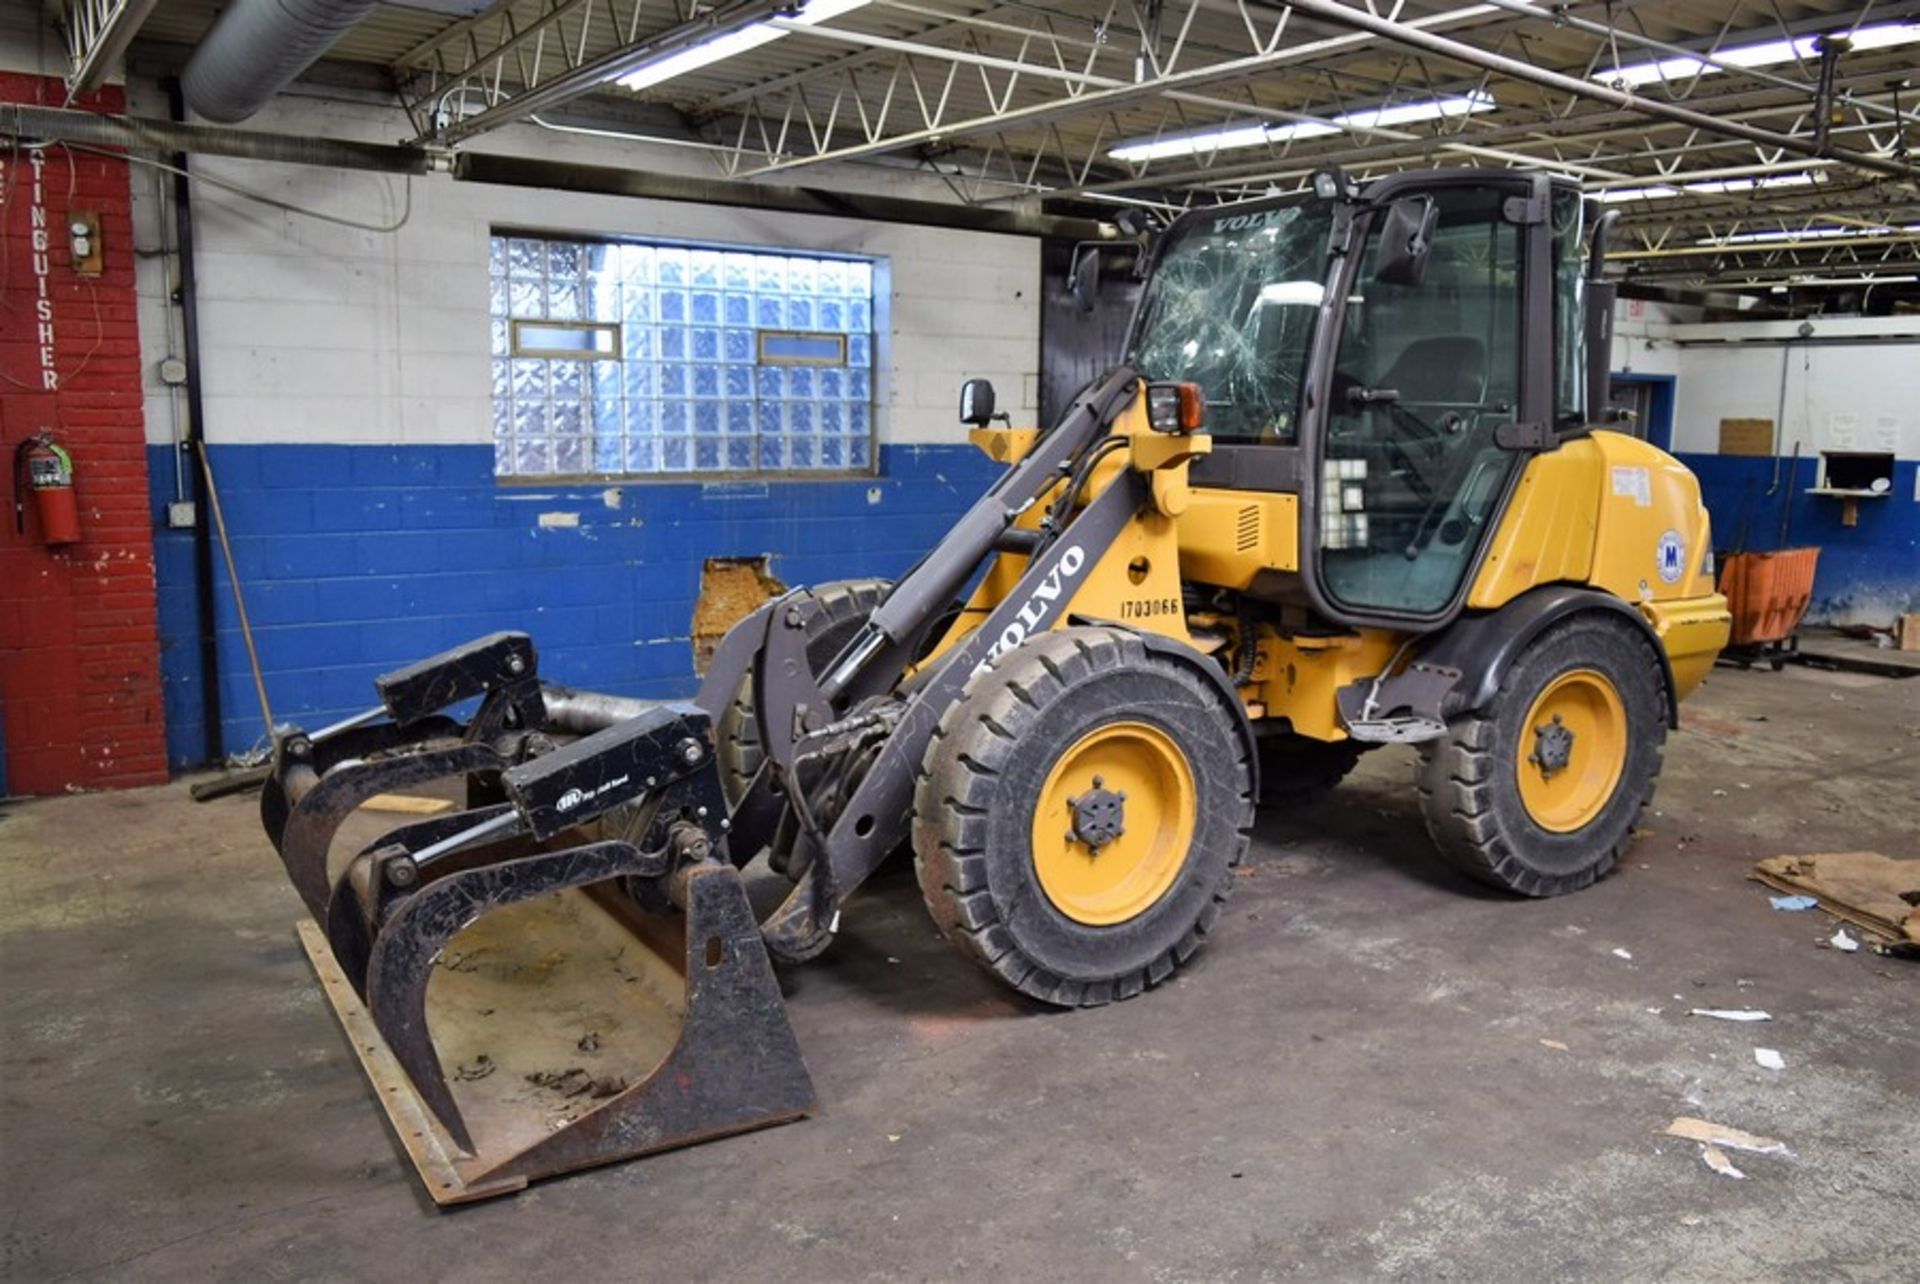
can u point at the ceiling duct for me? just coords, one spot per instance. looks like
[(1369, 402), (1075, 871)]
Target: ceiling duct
[(258, 47)]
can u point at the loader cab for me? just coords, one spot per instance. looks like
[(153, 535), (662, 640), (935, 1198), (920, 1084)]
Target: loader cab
[(1391, 357)]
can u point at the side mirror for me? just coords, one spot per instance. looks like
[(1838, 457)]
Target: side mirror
[(976, 403), (1406, 241), (1083, 277)]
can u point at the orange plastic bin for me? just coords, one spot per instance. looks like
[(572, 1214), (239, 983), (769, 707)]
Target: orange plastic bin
[(1768, 593)]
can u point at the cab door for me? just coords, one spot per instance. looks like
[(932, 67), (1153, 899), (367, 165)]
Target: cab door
[(1427, 391)]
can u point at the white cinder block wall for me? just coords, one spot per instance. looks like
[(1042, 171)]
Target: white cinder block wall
[(314, 332)]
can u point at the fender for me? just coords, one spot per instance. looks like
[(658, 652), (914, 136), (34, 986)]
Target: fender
[(1484, 647), (1175, 649)]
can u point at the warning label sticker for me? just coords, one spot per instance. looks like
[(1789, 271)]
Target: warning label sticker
[(1635, 482)]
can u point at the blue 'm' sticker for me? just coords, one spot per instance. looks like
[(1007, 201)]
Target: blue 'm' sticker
[(1671, 556)]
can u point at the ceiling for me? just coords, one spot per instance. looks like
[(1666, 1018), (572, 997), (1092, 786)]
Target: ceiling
[(1023, 102)]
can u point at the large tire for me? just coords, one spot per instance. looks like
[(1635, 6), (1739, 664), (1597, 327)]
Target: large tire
[(1296, 769), (844, 606), (1590, 695), (993, 820)]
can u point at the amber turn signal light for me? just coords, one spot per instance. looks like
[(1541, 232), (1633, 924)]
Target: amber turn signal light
[(1176, 407)]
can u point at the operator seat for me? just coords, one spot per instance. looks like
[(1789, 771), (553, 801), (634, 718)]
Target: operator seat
[(1433, 376)]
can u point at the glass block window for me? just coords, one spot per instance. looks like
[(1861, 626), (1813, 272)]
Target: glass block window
[(628, 358)]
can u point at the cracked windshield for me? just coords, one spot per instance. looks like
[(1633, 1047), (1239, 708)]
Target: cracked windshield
[(1231, 307)]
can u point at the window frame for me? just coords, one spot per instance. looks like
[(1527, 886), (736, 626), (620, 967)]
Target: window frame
[(877, 333), (516, 350), (761, 357)]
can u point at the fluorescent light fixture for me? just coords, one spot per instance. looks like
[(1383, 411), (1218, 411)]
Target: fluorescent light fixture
[(1713, 187), (733, 44), (1231, 137), (1903, 279), (1719, 187), (1616, 195), (1767, 54), (1806, 234), (1214, 140)]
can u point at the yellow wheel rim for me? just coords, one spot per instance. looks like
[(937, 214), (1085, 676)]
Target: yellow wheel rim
[(1144, 770), (1572, 751)]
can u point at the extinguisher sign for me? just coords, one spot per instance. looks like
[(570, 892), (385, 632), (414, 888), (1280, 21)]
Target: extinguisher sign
[(40, 250)]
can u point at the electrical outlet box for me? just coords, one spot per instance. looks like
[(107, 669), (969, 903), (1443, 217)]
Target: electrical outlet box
[(180, 514), (173, 371), (83, 233)]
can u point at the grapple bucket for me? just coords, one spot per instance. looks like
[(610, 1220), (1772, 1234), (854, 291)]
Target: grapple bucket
[(410, 742), (568, 976)]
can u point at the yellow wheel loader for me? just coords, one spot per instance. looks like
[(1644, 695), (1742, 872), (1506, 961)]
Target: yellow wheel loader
[(1346, 489)]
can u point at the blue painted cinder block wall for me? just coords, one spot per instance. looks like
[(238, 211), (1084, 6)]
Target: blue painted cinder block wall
[(1870, 570), (358, 559)]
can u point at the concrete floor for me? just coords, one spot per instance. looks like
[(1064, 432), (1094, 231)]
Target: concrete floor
[(1350, 1081)]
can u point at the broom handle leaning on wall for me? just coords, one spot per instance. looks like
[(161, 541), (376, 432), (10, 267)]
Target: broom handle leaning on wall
[(233, 578), (1786, 500)]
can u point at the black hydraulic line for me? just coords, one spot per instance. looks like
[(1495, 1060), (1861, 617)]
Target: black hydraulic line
[(196, 442), (1060, 512), (1487, 60)]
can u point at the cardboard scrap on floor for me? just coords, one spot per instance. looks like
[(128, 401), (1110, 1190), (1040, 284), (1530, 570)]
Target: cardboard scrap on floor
[(1873, 891), (412, 804), (1708, 1133)]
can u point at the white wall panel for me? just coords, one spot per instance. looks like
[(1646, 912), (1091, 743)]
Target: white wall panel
[(296, 312)]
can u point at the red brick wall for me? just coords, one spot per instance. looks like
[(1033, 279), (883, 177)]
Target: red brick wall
[(79, 646)]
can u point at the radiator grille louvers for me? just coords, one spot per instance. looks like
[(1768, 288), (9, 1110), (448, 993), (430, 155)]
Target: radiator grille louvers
[(1247, 529)]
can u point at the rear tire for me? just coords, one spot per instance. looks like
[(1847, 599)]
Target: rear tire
[(1057, 917), (1295, 769), (1589, 694)]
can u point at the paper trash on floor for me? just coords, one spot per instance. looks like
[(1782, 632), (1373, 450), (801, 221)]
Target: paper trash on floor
[(1874, 892)]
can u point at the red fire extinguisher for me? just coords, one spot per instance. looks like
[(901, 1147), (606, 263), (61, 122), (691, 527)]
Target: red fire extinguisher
[(42, 465)]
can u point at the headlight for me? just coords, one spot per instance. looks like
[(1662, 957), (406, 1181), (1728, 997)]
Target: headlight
[(1176, 407)]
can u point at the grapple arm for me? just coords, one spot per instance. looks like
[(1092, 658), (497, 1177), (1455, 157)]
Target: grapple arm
[(651, 780)]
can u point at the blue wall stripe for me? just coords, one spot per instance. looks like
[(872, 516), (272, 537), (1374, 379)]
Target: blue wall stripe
[(357, 559), (1872, 568)]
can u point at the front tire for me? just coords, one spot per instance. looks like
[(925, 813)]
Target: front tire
[(1539, 792), (1079, 814)]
